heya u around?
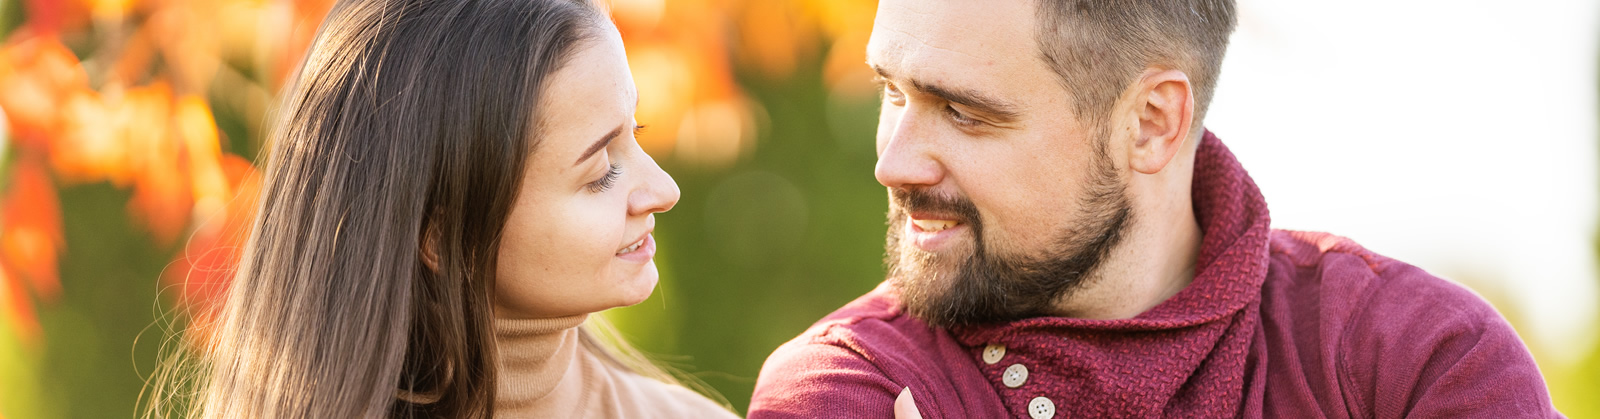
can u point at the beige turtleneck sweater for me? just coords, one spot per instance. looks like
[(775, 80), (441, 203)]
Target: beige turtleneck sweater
[(545, 372)]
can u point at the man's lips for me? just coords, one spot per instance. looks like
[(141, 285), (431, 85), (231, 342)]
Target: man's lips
[(933, 226), (931, 231)]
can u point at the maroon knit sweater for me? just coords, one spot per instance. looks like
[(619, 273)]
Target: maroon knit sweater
[(1275, 324)]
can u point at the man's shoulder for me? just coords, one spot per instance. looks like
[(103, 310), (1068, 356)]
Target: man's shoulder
[(881, 305), (1395, 338), (1356, 281), (855, 361), (873, 328), (874, 319)]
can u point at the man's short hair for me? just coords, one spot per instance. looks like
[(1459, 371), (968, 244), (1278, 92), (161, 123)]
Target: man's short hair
[(1098, 47)]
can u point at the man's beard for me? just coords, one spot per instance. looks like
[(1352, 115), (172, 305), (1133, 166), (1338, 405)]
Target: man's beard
[(989, 287)]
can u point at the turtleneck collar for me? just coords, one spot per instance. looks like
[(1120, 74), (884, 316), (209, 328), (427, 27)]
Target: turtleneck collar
[(535, 357), (545, 370)]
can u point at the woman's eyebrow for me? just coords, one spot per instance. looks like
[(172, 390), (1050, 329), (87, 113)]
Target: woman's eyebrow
[(604, 141)]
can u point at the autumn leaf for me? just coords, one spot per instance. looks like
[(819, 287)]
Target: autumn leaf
[(206, 265), (51, 17), (31, 238), (37, 75), (775, 37), (162, 195), (88, 145), (18, 309)]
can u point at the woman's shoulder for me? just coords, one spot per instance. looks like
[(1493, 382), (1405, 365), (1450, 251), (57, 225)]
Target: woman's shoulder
[(678, 401), (640, 396)]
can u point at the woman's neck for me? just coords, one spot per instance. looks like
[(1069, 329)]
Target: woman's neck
[(535, 357)]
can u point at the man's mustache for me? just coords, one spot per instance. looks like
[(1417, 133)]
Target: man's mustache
[(924, 200)]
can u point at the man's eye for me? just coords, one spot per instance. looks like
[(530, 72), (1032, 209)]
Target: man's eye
[(893, 94), (959, 118)]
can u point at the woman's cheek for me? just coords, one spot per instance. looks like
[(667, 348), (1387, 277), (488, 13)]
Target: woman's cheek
[(597, 232)]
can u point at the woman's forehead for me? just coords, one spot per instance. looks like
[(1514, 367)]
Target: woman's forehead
[(589, 97)]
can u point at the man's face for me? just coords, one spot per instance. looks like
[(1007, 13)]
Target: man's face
[(1001, 200)]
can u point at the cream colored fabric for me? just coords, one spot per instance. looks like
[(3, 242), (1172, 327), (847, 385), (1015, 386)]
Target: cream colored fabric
[(546, 373)]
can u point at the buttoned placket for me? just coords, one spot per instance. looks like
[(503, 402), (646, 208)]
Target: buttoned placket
[(1015, 376)]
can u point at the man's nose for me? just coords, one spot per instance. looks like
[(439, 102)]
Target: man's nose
[(908, 157)]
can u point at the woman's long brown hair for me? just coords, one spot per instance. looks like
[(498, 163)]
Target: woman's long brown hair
[(410, 121)]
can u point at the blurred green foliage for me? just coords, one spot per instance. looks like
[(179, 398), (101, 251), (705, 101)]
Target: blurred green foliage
[(99, 338), (755, 253), (752, 255)]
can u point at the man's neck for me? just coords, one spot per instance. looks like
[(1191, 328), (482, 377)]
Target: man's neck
[(1156, 258)]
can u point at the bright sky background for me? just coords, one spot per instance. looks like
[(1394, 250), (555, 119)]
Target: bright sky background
[(1456, 135)]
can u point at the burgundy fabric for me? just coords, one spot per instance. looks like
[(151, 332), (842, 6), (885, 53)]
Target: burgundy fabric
[(1275, 324)]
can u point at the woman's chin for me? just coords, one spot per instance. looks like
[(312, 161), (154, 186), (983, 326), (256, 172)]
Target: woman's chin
[(639, 287)]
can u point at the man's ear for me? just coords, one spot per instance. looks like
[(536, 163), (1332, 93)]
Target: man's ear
[(428, 249), (1165, 115)]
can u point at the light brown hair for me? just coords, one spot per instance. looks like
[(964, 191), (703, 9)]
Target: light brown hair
[(409, 122), (1097, 47)]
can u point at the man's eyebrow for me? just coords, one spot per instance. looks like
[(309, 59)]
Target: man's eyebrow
[(999, 109), (883, 75), (604, 141)]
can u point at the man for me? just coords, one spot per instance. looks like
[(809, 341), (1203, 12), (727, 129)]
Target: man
[(1067, 240)]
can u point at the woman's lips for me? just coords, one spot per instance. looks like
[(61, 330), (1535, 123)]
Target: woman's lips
[(640, 251)]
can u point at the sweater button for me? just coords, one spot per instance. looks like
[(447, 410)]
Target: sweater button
[(993, 353), (1015, 375), (1041, 408)]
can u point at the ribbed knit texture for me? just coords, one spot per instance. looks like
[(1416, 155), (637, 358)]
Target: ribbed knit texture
[(1183, 358), (537, 358), (1275, 324)]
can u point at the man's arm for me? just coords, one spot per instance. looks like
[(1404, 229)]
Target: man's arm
[(805, 379)]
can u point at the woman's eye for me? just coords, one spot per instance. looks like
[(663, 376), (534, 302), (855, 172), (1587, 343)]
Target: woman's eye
[(607, 181), (960, 118)]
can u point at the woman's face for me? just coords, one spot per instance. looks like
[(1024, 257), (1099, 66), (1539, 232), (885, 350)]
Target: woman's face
[(578, 237)]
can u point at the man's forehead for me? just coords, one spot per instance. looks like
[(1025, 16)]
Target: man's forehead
[(924, 38)]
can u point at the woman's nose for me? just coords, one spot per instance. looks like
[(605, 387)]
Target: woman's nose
[(657, 193)]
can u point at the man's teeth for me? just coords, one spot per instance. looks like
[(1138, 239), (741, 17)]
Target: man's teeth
[(933, 226), (632, 248)]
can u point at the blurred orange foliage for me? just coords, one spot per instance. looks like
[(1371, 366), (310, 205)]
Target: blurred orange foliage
[(30, 216), (689, 94), (135, 114), (37, 76), (203, 268), (136, 111)]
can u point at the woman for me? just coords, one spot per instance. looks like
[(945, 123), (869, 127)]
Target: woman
[(454, 186)]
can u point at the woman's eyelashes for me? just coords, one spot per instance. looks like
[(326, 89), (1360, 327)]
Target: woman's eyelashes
[(610, 178), (607, 181)]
